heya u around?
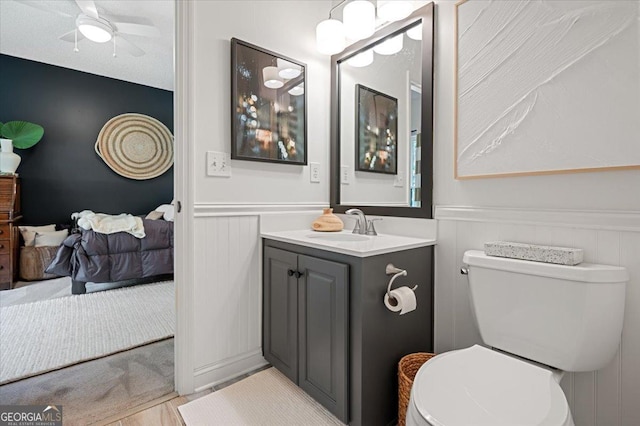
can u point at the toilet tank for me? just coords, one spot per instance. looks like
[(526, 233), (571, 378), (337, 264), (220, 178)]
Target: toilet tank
[(567, 317)]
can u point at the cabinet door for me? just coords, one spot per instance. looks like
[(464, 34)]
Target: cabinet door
[(280, 311), (323, 332)]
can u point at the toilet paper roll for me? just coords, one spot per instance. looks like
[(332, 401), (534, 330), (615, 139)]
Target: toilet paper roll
[(402, 300)]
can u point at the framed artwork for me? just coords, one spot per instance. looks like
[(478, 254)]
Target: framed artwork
[(376, 131), (268, 106), (531, 99)]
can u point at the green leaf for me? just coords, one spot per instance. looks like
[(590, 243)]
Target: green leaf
[(22, 133)]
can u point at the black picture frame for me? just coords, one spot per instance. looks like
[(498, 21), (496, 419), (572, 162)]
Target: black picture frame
[(268, 121), (376, 131)]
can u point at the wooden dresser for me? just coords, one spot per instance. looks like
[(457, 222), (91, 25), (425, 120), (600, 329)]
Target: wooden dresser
[(9, 232)]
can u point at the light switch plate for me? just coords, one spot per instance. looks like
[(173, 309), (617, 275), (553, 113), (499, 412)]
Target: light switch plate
[(218, 164), (314, 172), (344, 175), (399, 180)]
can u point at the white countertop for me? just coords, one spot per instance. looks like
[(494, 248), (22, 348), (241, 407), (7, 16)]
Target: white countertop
[(365, 246)]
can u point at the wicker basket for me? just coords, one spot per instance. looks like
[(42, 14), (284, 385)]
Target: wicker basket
[(407, 369)]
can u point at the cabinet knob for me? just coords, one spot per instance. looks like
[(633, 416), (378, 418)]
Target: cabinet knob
[(299, 274), (1, 246), (1, 267), (290, 272), (1, 231)]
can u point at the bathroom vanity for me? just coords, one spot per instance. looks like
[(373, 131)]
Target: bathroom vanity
[(325, 325)]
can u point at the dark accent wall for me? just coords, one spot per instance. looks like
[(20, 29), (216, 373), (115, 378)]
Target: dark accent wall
[(62, 173)]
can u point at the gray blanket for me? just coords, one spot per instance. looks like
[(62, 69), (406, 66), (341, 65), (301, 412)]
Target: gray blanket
[(92, 257)]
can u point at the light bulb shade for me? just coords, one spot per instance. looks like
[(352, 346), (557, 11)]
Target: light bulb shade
[(297, 91), (359, 19), (361, 59), (394, 10), (271, 78), (330, 37), (288, 70), (415, 33), (97, 30), (389, 46)]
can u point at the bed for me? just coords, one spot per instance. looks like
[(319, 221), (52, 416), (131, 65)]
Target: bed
[(88, 256)]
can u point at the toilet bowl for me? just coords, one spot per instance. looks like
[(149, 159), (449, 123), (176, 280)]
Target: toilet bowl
[(481, 387), (543, 319)]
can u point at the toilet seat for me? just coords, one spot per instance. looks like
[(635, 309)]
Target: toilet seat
[(478, 386)]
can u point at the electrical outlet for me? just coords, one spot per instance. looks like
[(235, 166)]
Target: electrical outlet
[(399, 180), (344, 175), (314, 172), (218, 164)]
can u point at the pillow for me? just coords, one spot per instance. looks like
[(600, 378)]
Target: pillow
[(29, 233), (53, 238), (154, 215)]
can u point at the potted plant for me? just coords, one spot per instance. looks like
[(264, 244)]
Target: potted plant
[(19, 134)]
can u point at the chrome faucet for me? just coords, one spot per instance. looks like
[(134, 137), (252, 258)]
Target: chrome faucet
[(361, 222)]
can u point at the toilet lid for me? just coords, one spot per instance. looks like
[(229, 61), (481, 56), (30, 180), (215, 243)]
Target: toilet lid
[(478, 386)]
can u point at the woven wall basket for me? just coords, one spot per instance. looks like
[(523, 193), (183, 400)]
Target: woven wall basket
[(136, 146)]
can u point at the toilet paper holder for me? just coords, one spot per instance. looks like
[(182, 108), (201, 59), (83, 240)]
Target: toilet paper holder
[(397, 272)]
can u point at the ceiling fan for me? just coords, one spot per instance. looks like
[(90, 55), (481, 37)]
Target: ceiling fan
[(101, 28)]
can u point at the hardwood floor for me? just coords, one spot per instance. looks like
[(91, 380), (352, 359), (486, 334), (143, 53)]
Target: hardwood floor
[(165, 412)]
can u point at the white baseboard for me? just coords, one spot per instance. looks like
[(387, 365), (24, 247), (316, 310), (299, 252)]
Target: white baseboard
[(228, 369)]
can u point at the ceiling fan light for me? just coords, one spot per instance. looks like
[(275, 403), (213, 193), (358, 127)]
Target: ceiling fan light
[(271, 78), (415, 33), (288, 70), (361, 59), (390, 46), (94, 29), (330, 37), (394, 10), (359, 19)]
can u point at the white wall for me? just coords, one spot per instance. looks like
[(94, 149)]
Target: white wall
[(226, 213), (536, 209), (284, 27)]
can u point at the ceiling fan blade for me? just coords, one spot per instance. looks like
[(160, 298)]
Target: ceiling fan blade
[(88, 7), (41, 6), (71, 36), (127, 46), (137, 29)]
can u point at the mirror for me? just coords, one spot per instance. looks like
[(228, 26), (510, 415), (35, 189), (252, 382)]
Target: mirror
[(381, 120)]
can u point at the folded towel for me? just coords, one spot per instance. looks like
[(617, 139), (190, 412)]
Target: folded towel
[(110, 224)]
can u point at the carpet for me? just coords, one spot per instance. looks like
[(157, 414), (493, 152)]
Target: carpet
[(265, 398), (101, 388), (50, 334)]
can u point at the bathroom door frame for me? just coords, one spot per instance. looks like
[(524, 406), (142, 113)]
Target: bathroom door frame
[(184, 196)]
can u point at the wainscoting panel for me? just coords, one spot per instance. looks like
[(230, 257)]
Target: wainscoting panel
[(227, 293), (608, 397)]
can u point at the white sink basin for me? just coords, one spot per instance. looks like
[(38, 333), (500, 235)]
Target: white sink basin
[(339, 237)]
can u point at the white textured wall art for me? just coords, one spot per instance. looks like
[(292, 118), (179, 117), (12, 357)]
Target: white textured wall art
[(547, 86)]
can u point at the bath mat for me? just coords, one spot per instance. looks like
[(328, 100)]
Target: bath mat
[(265, 398)]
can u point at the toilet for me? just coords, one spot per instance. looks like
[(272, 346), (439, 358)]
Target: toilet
[(540, 320)]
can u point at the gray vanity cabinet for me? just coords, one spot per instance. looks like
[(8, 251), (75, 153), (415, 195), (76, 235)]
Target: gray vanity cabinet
[(305, 330), (339, 342)]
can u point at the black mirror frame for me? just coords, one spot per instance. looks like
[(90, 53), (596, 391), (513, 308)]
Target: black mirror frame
[(425, 14)]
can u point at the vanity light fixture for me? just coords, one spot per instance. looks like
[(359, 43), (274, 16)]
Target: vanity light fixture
[(394, 10), (288, 70), (330, 37), (359, 19), (271, 78), (389, 46), (95, 29), (415, 33), (297, 90), (361, 59)]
